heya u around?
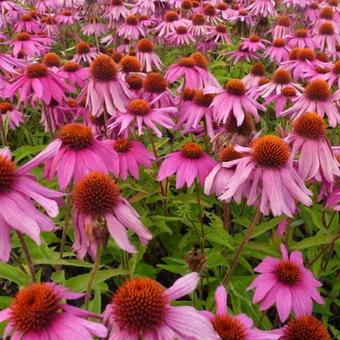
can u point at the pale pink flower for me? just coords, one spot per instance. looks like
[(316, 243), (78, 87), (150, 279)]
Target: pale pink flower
[(301, 38), (198, 26), (283, 27), (67, 17), (146, 54), (181, 36), (327, 37), (171, 21), (94, 28), (262, 8), (219, 34), (116, 11)]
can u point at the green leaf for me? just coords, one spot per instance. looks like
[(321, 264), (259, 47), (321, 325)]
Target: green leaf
[(96, 303), (27, 150), (5, 301), (313, 241), (267, 225), (13, 274), (72, 263)]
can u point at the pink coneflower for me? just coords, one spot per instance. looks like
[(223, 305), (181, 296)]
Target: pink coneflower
[(257, 72), (282, 28), (74, 154), (219, 34), (141, 308), (287, 284), (309, 139), (198, 26), (312, 12), (75, 73), (262, 8), (29, 45), (273, 181), (67, 17), (301, 38), (230, 327), (241, 15), (296, 3), (19, 193), (131, 155), (10, 114), (38, 83), (141, 114), (94, 28), (27, 23), (181, 36), (232, 99), (333, 75), (278, 51), (189, 163), (10, 6), (171, 21), (240, 54), (146, 54), (39, 311), (49, 25), (196, 112), (106, 90), (95, 198), (317, 97), (131, 28), (85, 53), (52, 61), (211, 14), (327, 15), (10, 64), (253, 43), (327, 38), (116, 11)]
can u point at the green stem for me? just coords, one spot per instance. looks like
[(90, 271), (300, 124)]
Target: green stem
[(92, 276), (227, 216), (246, 238), (200, 215), (27, 255)]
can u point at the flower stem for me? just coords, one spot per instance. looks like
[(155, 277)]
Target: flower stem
[(3, 132), (200, 215), (235, 260), (27, 255), (92, 276), (227, 216)]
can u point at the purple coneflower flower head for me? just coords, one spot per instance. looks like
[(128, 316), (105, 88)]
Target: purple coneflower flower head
[(75, 74), (146, 54), (74, 154), (211, 14), (171, 21), (327, 15), (317, 97), (297, 4), (189, 163), (19, 192), (52, 61), (85, 53), (262, 8), (131, 155), (311, 13), (219, 34), (197, 111), (278, 51), (287, 284), (181, 36), (9, 64), (116, 11), (38, 83), (96, 197), (273, 182), (39, 312), (28, 45), (241, 15), (282, 28), (94, 28), (309, 139), (142, 114), (301, 38), (67, 17), (10, 114), (239, 326), (327, 37), (10, 6), (141, 307), (333, 75), (198, 26), (253, 43), (131, 28), (27, 23), (242, 54), (257, 72), (106, 90), (233, 99)]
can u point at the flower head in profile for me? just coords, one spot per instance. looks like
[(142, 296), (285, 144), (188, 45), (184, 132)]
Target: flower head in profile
[(278, 51), (38, 83), (97, 198), (263, 8), (141, 308), (131, 28), (189, 163), (231, 327), (39, 312), (253, 43), (28, 44), (9, 113), (287, 284), (84, 53), (75, 74), (301, 38), (273, 182), (19, 194), (146, 54)]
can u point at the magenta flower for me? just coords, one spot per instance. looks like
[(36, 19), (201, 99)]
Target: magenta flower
[(301, 38), (106, 90), (253, 43), (39, 312), (147, 55), (230, 327), (141, 308), (27, 23), (278, 51), (283, 27), (262, 8), (116, 11), (198, 26), (257, 72), (94, 28), (333, 76), (10, 114), (95, 198), (74, 154), (241, 15), (38, 83), (18, 194), (316, 156), (29, 45), (131, 28), (131, 155), (75, 74), (287, 284), (317, 97), (142, 114), (67, 17), (233, 99), (10, 64), (272, 180), (181, 36), (219, 34), (85, 53), (327, 37), (171, 21), (190, 163)]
